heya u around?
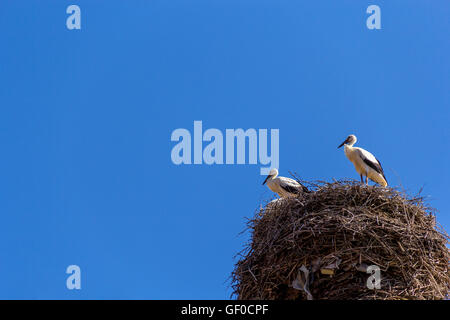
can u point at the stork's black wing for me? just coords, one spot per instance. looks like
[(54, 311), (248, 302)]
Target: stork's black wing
[(289, 188), (382, 172), (374, 165)]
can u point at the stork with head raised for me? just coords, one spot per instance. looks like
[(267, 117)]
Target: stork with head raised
[(365, 163)]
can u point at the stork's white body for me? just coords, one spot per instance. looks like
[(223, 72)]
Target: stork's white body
[(284, 187), (365, 163), (276, 186)]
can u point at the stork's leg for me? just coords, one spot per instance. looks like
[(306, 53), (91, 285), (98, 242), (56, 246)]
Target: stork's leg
[(362, 180), (367, 180)]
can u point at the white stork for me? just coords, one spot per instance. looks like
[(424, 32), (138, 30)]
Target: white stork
[(283, 186), (365, 163)]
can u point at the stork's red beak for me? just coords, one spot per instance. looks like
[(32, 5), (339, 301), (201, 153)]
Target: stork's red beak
[(266, 179)]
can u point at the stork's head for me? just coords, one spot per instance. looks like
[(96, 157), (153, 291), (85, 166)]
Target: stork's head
[(350, 141), (272, 174)]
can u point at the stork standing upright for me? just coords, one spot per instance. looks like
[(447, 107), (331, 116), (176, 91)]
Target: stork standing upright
[(365, 163), (283, 186)]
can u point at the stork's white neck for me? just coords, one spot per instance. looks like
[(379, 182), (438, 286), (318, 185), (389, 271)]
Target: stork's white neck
[(273, 174), (350, 144), (348, 148)]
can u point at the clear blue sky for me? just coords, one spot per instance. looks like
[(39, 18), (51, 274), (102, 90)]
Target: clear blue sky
[(86, 116)]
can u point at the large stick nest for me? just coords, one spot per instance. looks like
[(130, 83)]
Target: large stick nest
[(325, 245)]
